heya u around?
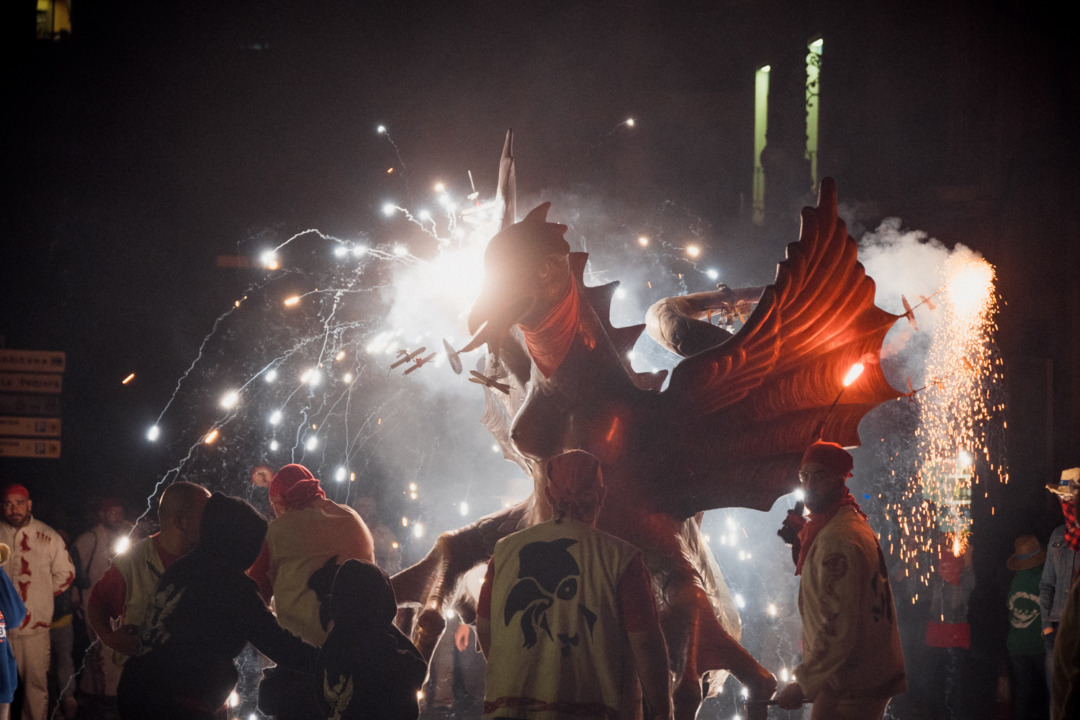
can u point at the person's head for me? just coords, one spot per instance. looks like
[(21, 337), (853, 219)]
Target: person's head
[(1028, 553), (111, 513), (575, 486), (231, 533), (362, 596), (294, 488), (1067, 488), (17, 505), (180, 514), (822, 475)]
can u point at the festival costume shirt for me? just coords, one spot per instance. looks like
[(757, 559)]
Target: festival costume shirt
[(561, 597), (126, 591), (851, 645), (303, 551), (12, 611), (1025, 626), (40, 568), (1062, 565)]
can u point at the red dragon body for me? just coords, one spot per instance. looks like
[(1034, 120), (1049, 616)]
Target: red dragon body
[(728, 431)]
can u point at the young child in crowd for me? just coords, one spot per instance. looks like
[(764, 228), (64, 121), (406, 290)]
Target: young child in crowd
[(12, 612), (368, 668), (205, 610)]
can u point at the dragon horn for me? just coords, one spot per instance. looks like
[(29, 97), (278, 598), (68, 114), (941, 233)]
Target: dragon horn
[(506, 196)]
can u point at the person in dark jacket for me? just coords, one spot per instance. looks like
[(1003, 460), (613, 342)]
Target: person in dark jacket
[(206, 608), (368, 668)]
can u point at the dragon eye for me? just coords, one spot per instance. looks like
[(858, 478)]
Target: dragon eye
[(567, 589)]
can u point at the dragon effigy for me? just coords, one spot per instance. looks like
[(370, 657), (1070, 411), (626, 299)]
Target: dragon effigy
[(728, 431)]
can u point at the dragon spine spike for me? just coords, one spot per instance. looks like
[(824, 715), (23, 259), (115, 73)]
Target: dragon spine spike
[(600, 296), (624, 338), (506, 196)]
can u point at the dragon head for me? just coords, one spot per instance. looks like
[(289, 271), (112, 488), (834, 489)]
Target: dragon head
[(526, 272)]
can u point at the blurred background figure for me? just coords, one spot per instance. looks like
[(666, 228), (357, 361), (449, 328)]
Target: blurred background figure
[(948, 633), (1027, 657), (95, 550)]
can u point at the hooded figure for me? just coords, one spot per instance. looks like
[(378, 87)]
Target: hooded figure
[(205, 610), (368, 668)]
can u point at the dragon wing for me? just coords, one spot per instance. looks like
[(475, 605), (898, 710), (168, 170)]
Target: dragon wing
[(746, 409)]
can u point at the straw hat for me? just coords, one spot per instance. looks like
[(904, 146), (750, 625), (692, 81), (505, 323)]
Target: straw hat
[(1069, 483), (1027, 553)]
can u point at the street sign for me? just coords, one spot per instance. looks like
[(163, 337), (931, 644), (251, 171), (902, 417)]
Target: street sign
[(29, 405), (29, 448), (30, 385), (31, 382), (29, 427), (36, 361)]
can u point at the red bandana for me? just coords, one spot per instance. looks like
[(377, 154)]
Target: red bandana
[(552, 337), (816, 523), (1072, 532), (295, 487)]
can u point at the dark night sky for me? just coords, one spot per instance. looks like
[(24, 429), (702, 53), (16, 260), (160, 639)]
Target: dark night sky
[(154, 142), (151, 144)]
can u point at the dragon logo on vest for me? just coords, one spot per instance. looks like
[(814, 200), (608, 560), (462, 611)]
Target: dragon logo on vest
[(547, 574)]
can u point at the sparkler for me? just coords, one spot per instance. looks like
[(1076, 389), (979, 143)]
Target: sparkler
[(958, 434)]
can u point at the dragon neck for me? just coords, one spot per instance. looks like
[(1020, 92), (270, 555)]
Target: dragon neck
[(550, 338)]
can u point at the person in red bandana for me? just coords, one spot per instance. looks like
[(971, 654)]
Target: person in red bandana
[(852, 660), (307, 541), (1062, 562), (40, 569), (566, 615)]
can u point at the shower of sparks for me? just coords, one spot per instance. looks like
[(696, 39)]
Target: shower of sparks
[(298, 371), (959, 449)]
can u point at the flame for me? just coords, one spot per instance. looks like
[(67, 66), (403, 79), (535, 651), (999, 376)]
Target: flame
[(853, 373)]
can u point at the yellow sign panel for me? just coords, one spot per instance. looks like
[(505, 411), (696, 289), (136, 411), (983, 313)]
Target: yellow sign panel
[(30, 382), (39, 361), (29, 448), (29, 427)]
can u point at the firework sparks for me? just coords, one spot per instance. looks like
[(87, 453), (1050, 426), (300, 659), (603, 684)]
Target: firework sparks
[(959, 409)]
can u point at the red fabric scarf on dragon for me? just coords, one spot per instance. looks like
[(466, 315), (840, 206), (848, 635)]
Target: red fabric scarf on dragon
[(550, 339)]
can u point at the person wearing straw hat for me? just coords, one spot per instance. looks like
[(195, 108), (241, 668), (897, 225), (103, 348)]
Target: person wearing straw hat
[(1027, 660), (1062, 561)]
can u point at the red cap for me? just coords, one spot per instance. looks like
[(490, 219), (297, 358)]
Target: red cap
[(835, 458), (16, 489), (295, 486), (573, 474)]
